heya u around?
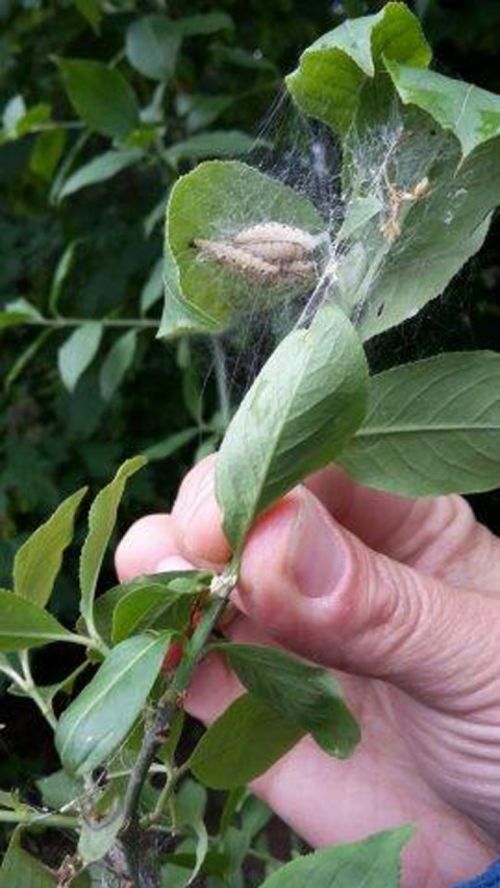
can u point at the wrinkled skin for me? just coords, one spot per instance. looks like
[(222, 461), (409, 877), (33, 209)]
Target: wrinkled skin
[(401, 596)]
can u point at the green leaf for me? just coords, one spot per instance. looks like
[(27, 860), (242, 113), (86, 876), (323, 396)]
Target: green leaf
[(304, 406), (91, 11), (162, 601), (432, 427), (25, 357), (304, 695), (38, 560), (437, 233), (100, 169), (20, 870), (101, 96), (97, 838), (63, 268), (242, 743), (357, 213), (336, 76), (102, 715), (59, 789), (46, 153), (78, 352), (153, 288), (116, 364), (201, 110), (12, 114), (372, 863), (205, 294), (152, 45), (18, 311), (190, 804), (12, 319), (104, 606), (165, 448), (204, 23), (24, 625), (102, 519), (34, 116), (217, 143), (470, 113)]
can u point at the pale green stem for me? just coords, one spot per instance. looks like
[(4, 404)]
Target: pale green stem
[(77, 322), (30, 688), (165, 795), (35, 819)]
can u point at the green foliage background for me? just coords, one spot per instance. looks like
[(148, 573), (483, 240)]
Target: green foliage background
[(53, 440)]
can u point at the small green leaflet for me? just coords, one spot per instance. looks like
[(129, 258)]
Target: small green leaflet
[(59, 789), (39, 559), (372, 863), (117, 363), (303, 695), (153, 288), (102, 518), (100, 169), (24, 625), (105, 711), (160, 601), (78, 352), (46, 152), (165, 448), (204, 23), (242, 743), (299, 414)]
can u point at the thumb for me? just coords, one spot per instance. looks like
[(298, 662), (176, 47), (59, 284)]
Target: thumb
[(318, 590)]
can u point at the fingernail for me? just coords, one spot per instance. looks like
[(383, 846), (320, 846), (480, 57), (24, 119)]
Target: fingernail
[(317, 556)]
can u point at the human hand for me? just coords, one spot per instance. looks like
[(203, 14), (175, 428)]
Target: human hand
[(403, 597)]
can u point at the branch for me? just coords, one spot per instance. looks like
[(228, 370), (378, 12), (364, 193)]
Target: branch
[(133, 838)]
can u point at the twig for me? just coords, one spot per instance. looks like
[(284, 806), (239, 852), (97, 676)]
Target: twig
[(134, 838)]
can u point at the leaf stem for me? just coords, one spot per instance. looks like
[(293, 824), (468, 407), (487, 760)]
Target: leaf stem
[(30, 688), (92, 640), (40, 819)]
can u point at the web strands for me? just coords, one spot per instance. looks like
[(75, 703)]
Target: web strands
[(363, 200)]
